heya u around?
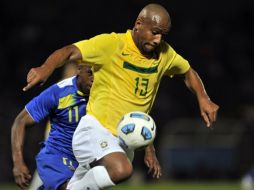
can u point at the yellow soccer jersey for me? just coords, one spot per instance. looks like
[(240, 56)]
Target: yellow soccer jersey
[(124, 80)]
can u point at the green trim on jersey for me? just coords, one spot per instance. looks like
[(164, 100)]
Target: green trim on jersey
[(138, 69)]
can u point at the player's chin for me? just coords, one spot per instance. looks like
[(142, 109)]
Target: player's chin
[(90, 85), (88, 88), (149, 48)]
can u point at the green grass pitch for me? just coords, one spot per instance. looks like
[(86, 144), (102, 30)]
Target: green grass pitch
[(164, 186)]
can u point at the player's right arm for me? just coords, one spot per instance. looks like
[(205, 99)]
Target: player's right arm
[(20, 171), (56, 59)]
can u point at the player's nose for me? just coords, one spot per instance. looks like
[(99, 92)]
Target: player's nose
[(157, 39)]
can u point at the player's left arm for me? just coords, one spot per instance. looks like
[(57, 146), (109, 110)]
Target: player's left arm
[(20, 170), (208, 109), (152, 162)]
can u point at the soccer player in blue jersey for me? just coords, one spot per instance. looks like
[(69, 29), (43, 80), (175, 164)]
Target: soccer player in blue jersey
[(69, 70), (128, 68), (64, 104)]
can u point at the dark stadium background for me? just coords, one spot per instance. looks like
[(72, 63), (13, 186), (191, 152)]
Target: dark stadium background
[(215, 36)]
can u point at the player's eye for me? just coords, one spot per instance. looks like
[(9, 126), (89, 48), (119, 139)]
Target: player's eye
[(90, 72), (155, 32)]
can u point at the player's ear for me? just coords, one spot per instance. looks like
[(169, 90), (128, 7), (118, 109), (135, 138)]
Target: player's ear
[(79, 68), (137, 24)]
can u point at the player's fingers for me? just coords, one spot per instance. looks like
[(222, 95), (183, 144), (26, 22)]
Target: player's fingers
[(41, 83), (211, 117), (206, 119), (31, 74), (150, 166), (27, 87), (17, 181), (32, 79), (28, 176), (214, 115), (20, 182), (150, 170), (30, 84), (23, 179), (26, 183), (147, 164), (157, 172), (22, 186)]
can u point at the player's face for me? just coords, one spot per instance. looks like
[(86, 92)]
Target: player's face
[(85, 78), (151, 33)]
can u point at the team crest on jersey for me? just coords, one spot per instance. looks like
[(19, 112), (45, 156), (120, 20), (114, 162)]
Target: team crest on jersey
[(104, 144)]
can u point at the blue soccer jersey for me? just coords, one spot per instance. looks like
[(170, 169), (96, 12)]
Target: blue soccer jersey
[(64, 104)]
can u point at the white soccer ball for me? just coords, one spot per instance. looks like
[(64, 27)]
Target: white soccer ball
[(136, 130)]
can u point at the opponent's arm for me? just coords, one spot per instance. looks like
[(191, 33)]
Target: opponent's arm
[(207, 108), (152, 162), (56, 59), (20, 170)]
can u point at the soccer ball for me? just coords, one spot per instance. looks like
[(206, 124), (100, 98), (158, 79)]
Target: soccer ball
[(136, 130)]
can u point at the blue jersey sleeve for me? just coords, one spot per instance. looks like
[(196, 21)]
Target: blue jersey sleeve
[(41, 106)]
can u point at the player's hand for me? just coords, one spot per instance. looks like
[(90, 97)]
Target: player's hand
[(22, 175), (152, 163), (208, 111), (37, 75)]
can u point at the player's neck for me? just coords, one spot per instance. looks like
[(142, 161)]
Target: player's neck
[(148, 55)]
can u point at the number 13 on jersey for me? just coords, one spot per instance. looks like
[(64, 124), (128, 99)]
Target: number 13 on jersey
[(141, 86)]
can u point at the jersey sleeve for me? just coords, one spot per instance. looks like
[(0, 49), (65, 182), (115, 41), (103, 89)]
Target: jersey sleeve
[(41, 106), (178, 66), (98, 48)]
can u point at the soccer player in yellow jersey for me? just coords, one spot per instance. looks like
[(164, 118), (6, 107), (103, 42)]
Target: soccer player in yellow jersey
[(128, 68)]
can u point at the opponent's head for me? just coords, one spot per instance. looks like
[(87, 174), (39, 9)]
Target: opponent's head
[(153, 22), (85, 78)]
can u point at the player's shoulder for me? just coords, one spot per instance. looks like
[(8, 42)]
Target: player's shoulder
[(66, 82), (110, 37), (166, 47), (64, 87), (107, 42)]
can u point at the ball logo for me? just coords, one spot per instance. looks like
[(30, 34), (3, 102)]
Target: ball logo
[(153, 127), (146, 134), (129, 128), (122, 143), (140, 116)]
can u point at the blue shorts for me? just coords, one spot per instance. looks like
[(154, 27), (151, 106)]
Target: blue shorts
[(54, 168)]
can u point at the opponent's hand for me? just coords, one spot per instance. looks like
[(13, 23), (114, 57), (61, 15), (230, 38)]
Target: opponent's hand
[(37, 75), (152, 163), (22, 175), (208, 111)]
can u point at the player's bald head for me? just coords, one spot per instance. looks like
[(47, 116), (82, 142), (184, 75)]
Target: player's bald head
[(155, 13), (151, 26)]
